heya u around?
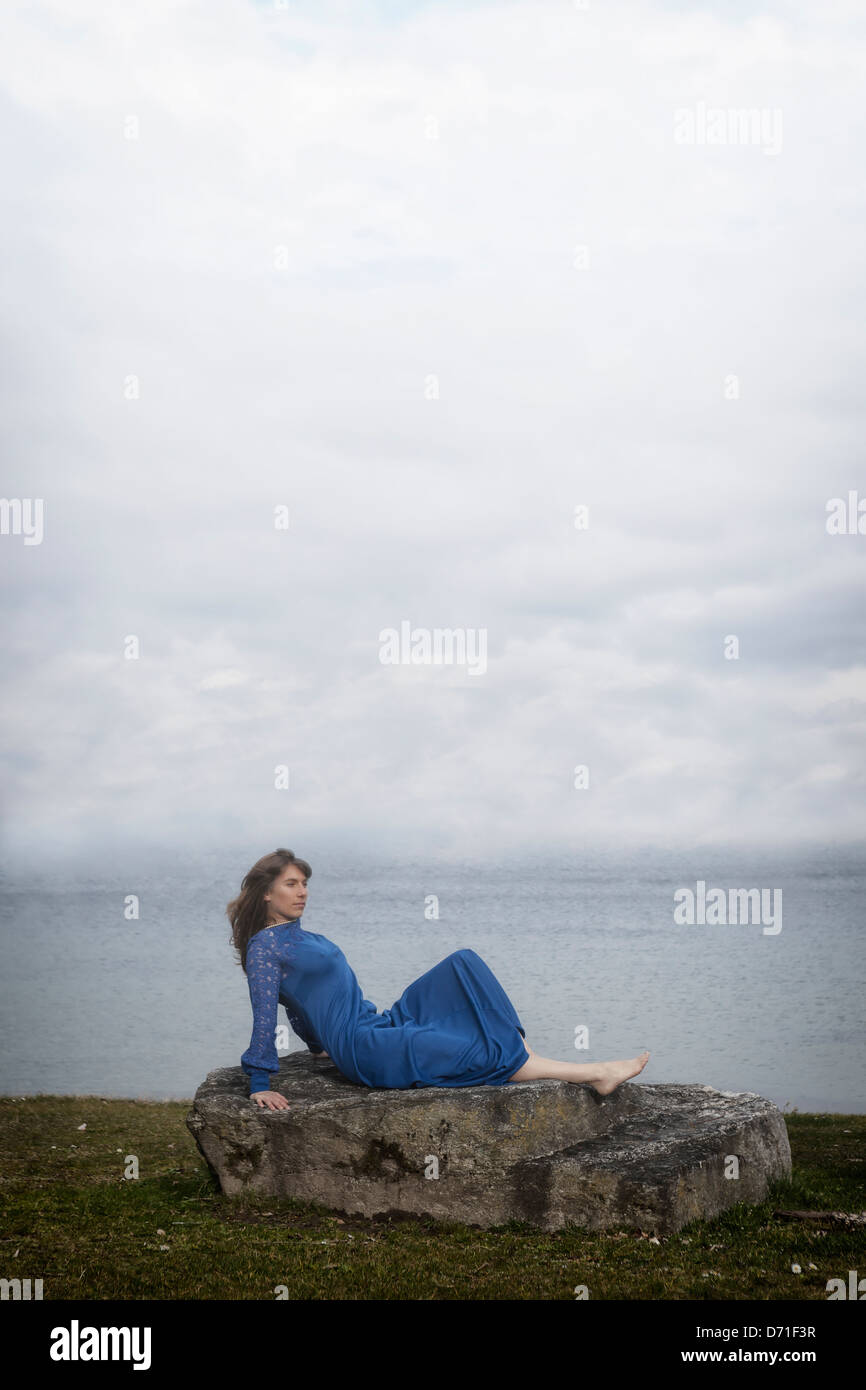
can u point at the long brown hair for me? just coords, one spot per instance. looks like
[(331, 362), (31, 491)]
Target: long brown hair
[(248, 912)]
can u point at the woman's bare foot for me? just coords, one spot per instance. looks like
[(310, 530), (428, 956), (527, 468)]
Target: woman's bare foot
[(614, 1073)]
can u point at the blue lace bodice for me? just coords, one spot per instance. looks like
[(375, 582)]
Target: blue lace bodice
[(269, 957)]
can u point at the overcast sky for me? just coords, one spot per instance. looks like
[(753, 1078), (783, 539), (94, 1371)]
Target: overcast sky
[(431, 277)]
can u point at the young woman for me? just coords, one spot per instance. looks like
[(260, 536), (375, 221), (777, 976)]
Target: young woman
[(454, 1026)]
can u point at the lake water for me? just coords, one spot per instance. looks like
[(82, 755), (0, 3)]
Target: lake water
[(93, 1004)]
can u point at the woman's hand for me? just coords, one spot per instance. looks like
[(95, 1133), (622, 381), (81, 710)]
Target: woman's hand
[(270, 1100)]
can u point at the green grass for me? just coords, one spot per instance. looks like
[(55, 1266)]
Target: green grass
[(71, 1218)]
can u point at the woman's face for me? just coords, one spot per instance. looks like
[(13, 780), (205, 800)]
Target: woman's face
[(287, 895)]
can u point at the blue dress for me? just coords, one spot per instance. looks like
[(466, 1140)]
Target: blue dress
[(453, 1026)]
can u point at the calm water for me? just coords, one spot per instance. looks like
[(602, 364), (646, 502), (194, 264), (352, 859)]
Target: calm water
[(94, 1004)]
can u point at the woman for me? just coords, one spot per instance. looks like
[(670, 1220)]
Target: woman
[(454, 1026)]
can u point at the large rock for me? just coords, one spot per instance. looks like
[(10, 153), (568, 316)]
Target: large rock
[(549, 1153)]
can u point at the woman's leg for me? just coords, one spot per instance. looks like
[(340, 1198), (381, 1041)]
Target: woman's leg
[(603, 1076)]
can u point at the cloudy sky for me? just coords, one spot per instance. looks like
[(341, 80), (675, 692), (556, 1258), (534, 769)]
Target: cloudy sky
[(423, 279)]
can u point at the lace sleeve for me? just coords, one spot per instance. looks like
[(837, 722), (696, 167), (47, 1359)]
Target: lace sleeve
[(263, 978)]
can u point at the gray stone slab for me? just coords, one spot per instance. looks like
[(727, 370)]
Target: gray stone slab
[(549, 1153), (692, 1152)]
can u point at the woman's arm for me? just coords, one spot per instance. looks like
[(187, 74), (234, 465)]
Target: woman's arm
[(263, 978)]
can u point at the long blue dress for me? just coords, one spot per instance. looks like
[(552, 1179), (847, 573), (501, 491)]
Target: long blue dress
[(453, 1026)]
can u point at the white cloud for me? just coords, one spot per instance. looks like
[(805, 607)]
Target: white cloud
[(305, 383)]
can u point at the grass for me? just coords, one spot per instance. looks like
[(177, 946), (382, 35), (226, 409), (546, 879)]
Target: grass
[(71, 1217)]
